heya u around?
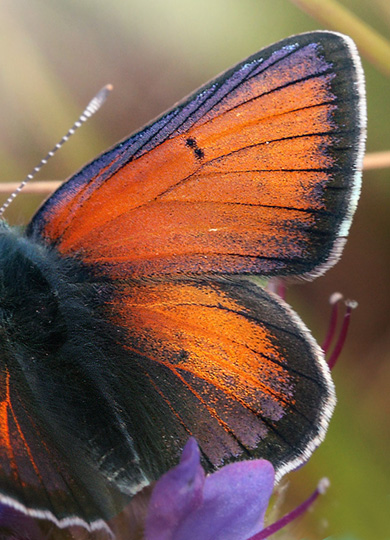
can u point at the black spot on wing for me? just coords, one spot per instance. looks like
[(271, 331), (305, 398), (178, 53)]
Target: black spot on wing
[(198, 152)]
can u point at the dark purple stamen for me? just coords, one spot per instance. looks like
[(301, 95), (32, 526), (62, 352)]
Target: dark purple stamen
[(350, 304), (282, 290), (334, 302), (277, 286)]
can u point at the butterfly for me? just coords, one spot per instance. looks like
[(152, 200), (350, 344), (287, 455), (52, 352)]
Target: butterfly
[(129, 316)]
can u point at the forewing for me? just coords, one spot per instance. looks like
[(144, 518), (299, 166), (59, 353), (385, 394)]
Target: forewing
[(254, 173)]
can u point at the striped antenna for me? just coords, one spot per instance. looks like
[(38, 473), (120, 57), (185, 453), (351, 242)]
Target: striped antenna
[(93, 106)]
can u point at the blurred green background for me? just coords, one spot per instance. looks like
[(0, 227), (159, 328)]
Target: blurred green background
[(55, 54)]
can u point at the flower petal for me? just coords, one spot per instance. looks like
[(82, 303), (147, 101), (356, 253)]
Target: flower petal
[(235, 499), (176, 495)]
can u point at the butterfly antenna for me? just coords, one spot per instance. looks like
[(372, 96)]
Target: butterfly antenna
[(92, 107)]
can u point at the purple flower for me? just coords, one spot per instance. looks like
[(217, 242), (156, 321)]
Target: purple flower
[(227, 505), (185, 504)]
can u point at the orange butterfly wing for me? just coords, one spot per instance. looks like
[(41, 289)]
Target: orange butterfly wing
[(37, 476), (254, 173), (224, 361)]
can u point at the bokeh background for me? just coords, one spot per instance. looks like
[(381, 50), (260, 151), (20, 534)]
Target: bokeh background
[(55, 54)]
